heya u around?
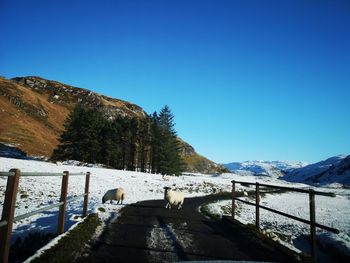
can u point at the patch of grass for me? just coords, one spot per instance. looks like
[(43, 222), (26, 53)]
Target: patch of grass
[(68, 247), (195, 162), (24, 248), (227, 209), (302, 256), (101, 209), (22, 196), (22, 134), (204, 209)]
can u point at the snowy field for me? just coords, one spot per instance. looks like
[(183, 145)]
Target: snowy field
[(37, 192), (333, 212)]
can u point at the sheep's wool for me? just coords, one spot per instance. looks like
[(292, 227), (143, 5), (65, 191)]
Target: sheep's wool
[(117, 194), (174, 198)]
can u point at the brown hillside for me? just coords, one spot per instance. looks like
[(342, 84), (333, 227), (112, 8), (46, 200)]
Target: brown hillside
[(33, 111), (197, 163), (29, 120)]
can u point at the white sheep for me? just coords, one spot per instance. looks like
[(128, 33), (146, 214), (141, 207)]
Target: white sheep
[(117, 194), (173, 198), (166, 177)]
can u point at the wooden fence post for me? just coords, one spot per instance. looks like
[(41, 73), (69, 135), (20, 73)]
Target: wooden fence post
[(312, 223), (257, 202), (8, 214), (64, 188), (86, 197), (233, 200)]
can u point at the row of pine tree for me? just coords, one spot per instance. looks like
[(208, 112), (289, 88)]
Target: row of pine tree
[(146, 144)]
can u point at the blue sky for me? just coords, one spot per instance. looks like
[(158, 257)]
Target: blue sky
[(267, 80)]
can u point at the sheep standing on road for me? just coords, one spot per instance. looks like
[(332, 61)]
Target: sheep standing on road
[(173, 198), (117, 194)]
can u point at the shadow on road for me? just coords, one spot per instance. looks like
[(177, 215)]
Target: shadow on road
[(147, 232)]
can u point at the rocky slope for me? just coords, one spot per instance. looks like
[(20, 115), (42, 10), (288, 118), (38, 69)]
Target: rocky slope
[(33, 111), (197, 163)]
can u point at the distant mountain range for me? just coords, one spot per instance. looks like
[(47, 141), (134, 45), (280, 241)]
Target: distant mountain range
[(33, 111), (333, 171), (263, 168)]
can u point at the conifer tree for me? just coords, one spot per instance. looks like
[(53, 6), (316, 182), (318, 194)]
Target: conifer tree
[(81, 137), (155, 144), (110, 150), (132, 138), (124, 143), (169, 152), (91, 130), (68, 147), (143, 141), (122, 130)]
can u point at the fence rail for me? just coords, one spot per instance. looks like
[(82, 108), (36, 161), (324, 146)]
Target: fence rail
[(311, 222), (7, 173), (8, 218), (294, 189), (39, 174)]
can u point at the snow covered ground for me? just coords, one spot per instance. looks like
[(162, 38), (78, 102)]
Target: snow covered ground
[(37, 192), (330, 211)]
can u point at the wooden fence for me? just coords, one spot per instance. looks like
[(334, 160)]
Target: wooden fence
[(8, 218), (311, 222)]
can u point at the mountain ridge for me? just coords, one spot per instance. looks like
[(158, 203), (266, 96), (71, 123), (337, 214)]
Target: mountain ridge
[(33, 111), (264, 168), (334, 171)]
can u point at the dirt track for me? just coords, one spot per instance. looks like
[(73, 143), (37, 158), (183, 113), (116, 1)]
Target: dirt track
[(147, 232)]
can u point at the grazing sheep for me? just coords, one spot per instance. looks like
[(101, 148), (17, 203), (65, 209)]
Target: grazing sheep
[(166, 177), (117, 194), (173, 198)]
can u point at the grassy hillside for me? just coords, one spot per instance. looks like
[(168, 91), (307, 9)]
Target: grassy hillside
[(33, 111), (197, 163), (29, 120)]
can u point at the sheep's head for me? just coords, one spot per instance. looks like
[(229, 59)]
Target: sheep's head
[(166, 189)]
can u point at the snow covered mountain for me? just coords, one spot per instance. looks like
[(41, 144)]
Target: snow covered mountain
[(333, 170), (265, 168)]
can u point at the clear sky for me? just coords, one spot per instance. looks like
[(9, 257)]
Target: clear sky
[(246, 80)]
